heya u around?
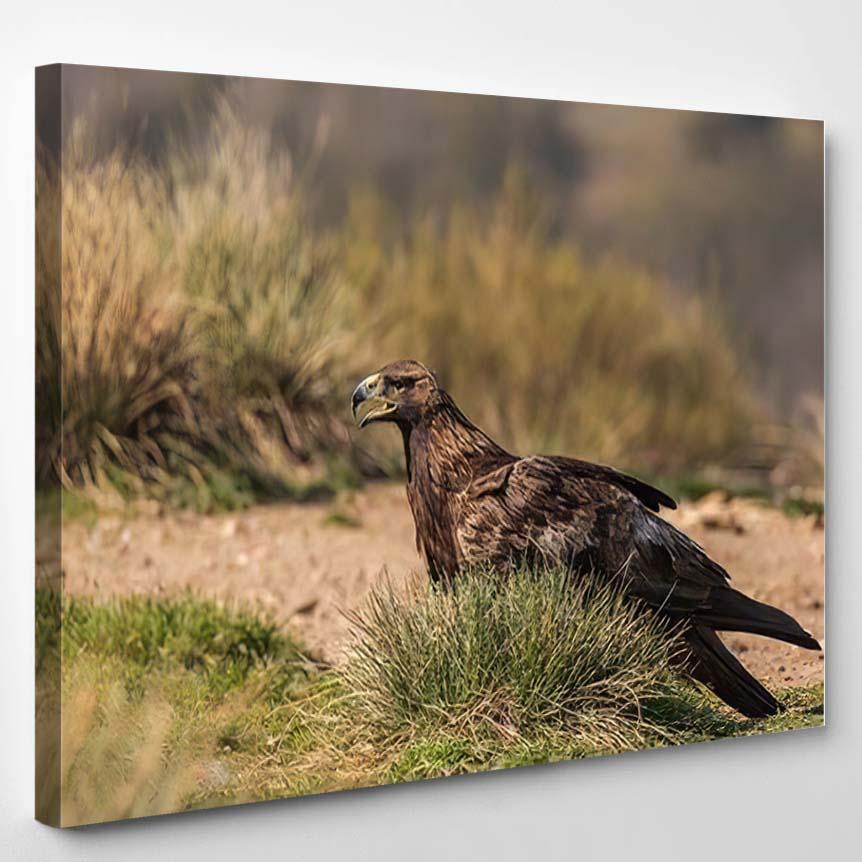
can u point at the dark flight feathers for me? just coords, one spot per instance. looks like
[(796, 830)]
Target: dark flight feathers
[(651, 497)]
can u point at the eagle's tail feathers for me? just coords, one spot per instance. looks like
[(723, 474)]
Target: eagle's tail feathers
[(732, 611), (713, 664)]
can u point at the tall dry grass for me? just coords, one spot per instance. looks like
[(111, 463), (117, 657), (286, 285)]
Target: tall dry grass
[(197, 351), (113, 761), (126, 369), (266, 295), (207, 333), (547, 350)]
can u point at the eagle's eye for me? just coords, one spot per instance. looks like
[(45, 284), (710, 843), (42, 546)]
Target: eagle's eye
[(399, 385)]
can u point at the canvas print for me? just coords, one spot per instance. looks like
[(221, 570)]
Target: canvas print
[(385, 435)]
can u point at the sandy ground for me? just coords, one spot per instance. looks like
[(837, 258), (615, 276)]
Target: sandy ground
[(305, 564)]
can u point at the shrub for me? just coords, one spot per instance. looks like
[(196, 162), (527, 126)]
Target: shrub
[(197, 350), (546, 349), (265, 296), (534, 661), (114, 371)]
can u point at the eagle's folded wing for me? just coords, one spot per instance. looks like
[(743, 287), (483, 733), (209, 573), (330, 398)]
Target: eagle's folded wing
[(582, 515)]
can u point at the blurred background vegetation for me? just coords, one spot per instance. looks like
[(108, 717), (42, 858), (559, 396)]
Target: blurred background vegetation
[(630, 285)]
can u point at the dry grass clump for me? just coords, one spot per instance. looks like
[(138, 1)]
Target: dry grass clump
[(126, 376), (49, 405), (197, 349), (266, 296), (801, 466), (547, 350)]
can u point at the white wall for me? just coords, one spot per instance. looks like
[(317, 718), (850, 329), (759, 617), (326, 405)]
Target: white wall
[(795, 796)]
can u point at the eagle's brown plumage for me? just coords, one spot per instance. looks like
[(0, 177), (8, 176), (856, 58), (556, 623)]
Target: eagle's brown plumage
[(475, 503)]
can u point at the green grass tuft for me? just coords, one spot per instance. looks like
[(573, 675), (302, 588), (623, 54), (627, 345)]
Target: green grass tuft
[(797, 507), (142, 634), (190, 630), (534, 659)]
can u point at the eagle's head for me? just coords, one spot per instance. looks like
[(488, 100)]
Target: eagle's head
[(398, 392)]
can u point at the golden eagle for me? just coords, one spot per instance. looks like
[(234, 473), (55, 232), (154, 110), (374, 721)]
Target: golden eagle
[(474, 503)]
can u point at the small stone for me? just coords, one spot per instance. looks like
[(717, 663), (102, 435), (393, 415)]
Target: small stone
[(215, 774)]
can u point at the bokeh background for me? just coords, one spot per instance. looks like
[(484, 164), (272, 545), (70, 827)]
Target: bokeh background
[(632, 285)]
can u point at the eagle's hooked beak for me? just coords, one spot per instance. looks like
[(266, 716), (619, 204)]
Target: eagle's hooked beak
[(370, 391)]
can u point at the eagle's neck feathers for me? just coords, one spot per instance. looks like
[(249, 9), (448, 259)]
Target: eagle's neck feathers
[(444, 452), (448, 447)]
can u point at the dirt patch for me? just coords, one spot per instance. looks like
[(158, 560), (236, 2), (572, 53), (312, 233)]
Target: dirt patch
[(305, 564)]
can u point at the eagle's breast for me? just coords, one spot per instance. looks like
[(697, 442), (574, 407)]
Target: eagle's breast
[(435, 520)]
